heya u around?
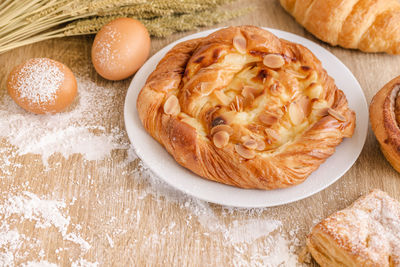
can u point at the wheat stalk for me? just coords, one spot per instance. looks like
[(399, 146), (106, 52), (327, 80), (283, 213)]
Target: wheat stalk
[(25, 22)]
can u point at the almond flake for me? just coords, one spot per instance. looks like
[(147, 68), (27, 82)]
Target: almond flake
[(267, 118), (314, 90), (296, 113), (305, 104), (273, 61), (221, 139), (275, 89), (244, 138), (237, 104), (260, 145), (336, 115), (296, 74), (244, 152), (222, 127), (250, 144), (171, 106), (272, 134), (240, 44), (248, 100)]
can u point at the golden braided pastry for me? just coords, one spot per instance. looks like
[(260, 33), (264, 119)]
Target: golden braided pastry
[(368, 25), (365, 234), (245, 108), (385, 118)]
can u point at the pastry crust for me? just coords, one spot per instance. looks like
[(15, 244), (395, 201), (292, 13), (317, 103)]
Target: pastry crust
[(368, 25), (385, 116), (221, 112), (365, 234)]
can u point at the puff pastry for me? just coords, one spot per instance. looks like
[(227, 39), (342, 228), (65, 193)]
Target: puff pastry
[(245, 108), (365, 234), (368, 25), (385, 117)]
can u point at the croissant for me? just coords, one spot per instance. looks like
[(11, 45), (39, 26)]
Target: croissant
[(368, 25), (385, 119), (365, 234), (245, 108)]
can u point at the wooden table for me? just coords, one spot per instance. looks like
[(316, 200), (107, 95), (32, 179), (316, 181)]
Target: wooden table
[(129, 219)]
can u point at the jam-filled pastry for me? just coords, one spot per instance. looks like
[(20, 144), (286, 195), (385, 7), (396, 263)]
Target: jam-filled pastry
[(245, 108), (385, 118), (365, 234)]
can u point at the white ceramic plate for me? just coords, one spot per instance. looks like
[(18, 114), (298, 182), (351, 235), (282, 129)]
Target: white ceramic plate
[(167, 169)]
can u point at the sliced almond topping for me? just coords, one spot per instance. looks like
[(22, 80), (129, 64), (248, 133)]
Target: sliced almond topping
[(319, 104), (296, 74), (296, 113), (275, 89), (240, 44), (248, 100), (273, 61), (311, 77), (171, 106), (272, 134), (237, 104), (258, 139), (260, 145), (314, 90), (336, 115), (222, 127), (244, 152), (267, 118), (250, 144), (221, 139), (222, 97), (305, 104), (245, 138)]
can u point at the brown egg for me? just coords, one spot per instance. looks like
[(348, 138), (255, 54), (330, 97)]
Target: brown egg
[(42, 85), (120, 48)]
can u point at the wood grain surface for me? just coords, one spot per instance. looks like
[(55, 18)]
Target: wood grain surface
[(115, 200)]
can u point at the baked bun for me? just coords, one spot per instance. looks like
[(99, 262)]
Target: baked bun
[(384, 113), (368, 25), (245, 108)]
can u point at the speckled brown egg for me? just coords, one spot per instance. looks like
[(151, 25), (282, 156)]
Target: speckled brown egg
[(42, 85), (120, 48)]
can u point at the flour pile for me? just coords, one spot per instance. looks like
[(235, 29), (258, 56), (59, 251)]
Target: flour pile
[(81, 130)]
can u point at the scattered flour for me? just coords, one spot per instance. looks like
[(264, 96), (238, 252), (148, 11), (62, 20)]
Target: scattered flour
[(84, 263), (255, 239), (39, 264), (80, 130), (45, 213), (27, 207)]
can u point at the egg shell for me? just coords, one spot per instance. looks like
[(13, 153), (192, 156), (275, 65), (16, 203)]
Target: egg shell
[(120, 48), (42, 85)]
